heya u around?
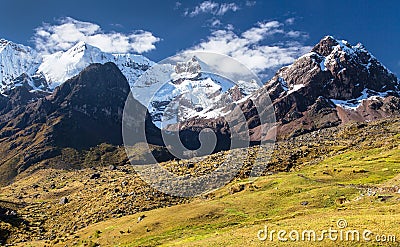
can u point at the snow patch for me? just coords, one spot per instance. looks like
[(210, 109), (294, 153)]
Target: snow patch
[(295, 88), (322, 64), (283, 83), (366, 94)]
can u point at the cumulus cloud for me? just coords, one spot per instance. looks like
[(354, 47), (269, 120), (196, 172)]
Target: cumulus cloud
[(213, 8), (51, 38), (250, 48), (262, 30)]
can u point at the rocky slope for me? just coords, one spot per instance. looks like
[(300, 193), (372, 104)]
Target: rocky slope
[(54, 207), (73, 116), (332, 84)]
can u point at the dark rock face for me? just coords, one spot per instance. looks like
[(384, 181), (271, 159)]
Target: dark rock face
[(90, 106), (83, 112), (18, 96), (325, 46), (3, 103)]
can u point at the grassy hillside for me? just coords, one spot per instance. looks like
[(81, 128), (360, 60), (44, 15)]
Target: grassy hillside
[(360, 187), (350, 173)]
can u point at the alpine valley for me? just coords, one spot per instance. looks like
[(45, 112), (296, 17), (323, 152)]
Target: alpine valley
[(66, 179)]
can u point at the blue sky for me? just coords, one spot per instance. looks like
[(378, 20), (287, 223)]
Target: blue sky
[(262, 34)]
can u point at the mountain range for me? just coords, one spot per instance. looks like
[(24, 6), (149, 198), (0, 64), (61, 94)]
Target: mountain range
[(22, 65), (198, 92), (75, 100), (332, 84)]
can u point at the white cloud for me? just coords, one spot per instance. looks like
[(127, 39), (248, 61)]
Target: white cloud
[(215, 23), (213, 8), (289, 21), (51, 38), (263, 29), (230, 27), (225, 7), (249, 46), (296, 34)]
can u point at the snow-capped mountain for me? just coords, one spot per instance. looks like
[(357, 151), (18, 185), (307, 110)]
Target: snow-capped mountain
[(21, 65), (184, 86), (332, 84), (16, 61), (333, 74), (61, 66), (338, 71), (174, 93)]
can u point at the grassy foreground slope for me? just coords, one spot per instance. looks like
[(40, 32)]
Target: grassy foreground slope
[(360, 185), (356, 179)]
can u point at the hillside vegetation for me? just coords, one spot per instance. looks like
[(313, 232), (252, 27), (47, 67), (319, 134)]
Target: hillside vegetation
[(315, 180)]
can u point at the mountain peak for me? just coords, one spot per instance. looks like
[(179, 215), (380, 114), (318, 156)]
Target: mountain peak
[(49, 71), (15, 60), (103, 77), (3, 43), (326, 45), (192, 65), (345, 76), (90, 103), (342, 70), (329, 38), (81, 45), (81, 48), (16, 47)]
